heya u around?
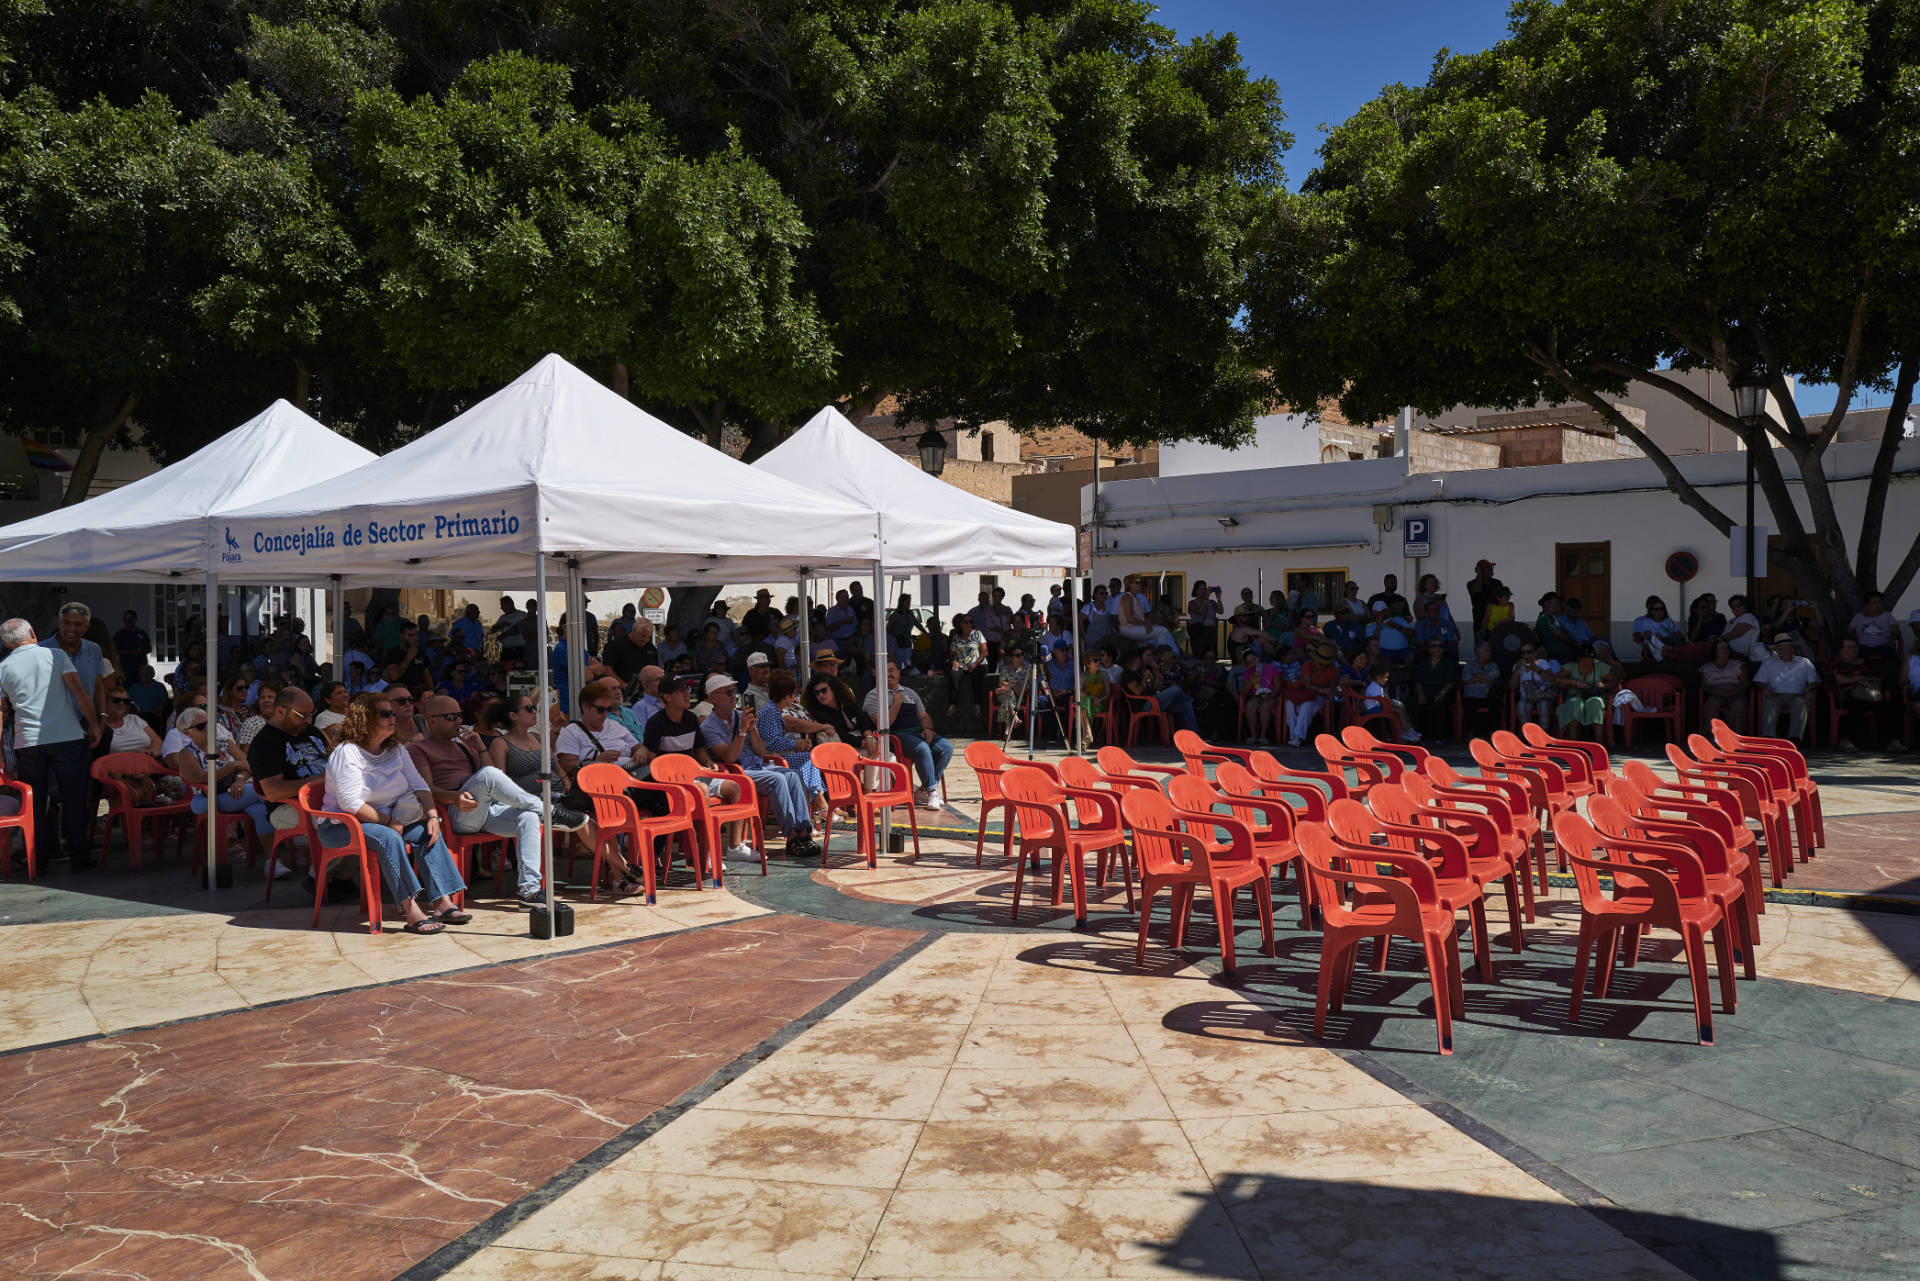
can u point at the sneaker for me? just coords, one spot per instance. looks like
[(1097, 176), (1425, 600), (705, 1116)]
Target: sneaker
[(535, 899), (1896, 746), (922, 797), (1845, 745), (743, 853), (566, 820), (1411, 736), (281, 871)]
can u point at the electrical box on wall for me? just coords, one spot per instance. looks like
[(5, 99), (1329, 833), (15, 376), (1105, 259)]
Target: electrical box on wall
[(1383, 516)]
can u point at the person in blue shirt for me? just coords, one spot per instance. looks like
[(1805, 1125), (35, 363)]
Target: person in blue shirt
[(1577, 627), (1435, 625), (468, 630), (1346, 631)]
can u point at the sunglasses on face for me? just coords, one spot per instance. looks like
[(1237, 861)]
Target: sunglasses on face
[(603, 708), (444, 716), (403, 702), (118, 702)]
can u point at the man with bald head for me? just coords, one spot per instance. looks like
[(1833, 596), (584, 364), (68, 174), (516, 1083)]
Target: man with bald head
[(286, 752), (478, 797), (648, 705)]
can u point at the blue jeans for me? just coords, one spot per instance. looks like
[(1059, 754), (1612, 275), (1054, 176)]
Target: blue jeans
[(802, 764), (504, 810), (248, 803), (59, 773), (930, 757), (787, 792), (390, 847), (1177, 703)]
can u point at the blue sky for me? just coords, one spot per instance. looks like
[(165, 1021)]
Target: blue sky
[(1330, 57)]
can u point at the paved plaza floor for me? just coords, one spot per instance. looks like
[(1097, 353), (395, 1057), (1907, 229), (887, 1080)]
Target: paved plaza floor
[(836, 1071)]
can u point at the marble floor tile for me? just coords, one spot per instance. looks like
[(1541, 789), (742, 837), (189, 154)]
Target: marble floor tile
[(497, 1263), (915, 1003), (1059, 1155), (1287, 1079), (877, 1044), (811, 1089), (1356, 1143), (125, 1003), (1068, 1047), (1006, 1233), (1050, 1094), (37, 1019), (701, 1219), (814, 1150)]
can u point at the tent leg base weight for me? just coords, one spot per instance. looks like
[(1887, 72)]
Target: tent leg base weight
[(222, 877)]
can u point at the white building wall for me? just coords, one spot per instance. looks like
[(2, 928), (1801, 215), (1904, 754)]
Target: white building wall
[(1332, 515), (1280, 440)]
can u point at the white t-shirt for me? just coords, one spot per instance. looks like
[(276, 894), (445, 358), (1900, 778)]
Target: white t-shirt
[(1748, 644), (573, 740), (1787, 678), (177, 739), (355, 777)]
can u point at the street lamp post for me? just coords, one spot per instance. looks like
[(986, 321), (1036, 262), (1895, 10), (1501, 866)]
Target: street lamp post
[(1749, 388)]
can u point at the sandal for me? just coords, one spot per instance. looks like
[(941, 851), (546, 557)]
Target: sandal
[(630, 884), (426, 925), (454, 916)]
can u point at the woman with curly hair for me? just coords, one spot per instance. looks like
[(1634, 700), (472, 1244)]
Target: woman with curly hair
[(371, 776)]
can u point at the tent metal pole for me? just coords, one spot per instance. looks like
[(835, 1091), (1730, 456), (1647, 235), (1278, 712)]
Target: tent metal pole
[(542, 694), (213, 730), (339, 602), (576, 637), (881, 697), (1073, 630), (805, 655)]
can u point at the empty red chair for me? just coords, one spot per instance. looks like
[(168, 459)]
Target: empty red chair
[(1665, 695), (840, 765), (1267, 826), (1370, 769), (1237, 781), (1119, 763), (308, 799), (1413, 830), (1141, 711), (1361, 739), (1575, 766), (1197, 752), (1514, 794), (1748, 783), (1496, 850), (615, 816), (1595, 754), (1357, 902), (1079, 772), (1044, 818), (1805, 794), (1673, 896), (989, 762), (1718, 807), (22, 823), (1179, 862), (1624, 811), (1268, 769), (133, 819), (710, 813)]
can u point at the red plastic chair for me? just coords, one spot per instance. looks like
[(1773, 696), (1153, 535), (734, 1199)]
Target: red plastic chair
[(301, 830), (1360, 739), (1770, 775), (1671, 897), (840, 765), (1139, 710), (1666, 695), (1595, 754), (989, 764), (1117, 762), (1180, 862), (1237, 780), (308, 799), (615, 816), (1267, 827), (1576, 767), (1370, 769), (1195, 752), (224, 825), (1357, 902), (133, 819), (464, 849), (1805, 793), (1079, 772), (1719, 807), (1496, 849), (21, 823), (1516, 798), (1732, 877), (1268, 769), (710, 813), (1045, 821), (1412, 830), (1749, 785)]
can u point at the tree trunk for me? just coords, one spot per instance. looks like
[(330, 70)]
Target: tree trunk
[(622, 380), (712, 420), (688, 609), (1873, 516), (302, 385), (762, 435), (115, 409)]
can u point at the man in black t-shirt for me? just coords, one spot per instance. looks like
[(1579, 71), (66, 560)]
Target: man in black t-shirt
[(675, 730), (286, 752)]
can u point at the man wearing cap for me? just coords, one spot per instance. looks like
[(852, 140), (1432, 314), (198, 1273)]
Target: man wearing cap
[(675, 731), (732, 736), (784, 649), (1787, 677), (1481, 589), (759, 668), (1346, 631), (907, 719), (826, 663)]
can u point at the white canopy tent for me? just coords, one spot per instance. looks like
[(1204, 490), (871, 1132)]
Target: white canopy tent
[(171, 525), (927, 526), (555, 465)]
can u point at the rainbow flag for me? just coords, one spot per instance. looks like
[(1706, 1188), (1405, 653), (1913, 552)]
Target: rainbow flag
[(43, 456)]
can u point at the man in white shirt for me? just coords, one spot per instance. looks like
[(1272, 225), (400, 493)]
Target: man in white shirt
[(907, 719), (1787, 678), (52, 746)]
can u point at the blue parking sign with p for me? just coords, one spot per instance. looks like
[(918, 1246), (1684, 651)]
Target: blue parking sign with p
[(1416, 536)]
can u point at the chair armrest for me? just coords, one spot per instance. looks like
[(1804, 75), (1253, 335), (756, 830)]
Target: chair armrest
[(1107, 803), (1452, 849), (1316, 800), (898, 771), (1689, 877)]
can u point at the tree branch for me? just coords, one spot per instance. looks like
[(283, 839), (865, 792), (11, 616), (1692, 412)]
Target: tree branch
[(112, 417), (1673, 387), (1676, 482), (1849, 371)]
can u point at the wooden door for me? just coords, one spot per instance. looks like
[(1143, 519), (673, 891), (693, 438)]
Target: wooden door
[(1584, 571)]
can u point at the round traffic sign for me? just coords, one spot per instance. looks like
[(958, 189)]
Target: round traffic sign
[(1682, 566), (653, 598)]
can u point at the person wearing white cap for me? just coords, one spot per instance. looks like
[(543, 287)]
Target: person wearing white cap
[(759, 667), (1789, 680), (732, 737)]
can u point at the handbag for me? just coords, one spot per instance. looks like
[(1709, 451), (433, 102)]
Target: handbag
[(1867, 689)]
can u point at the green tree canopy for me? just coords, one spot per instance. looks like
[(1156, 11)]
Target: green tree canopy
[(1620, 189)]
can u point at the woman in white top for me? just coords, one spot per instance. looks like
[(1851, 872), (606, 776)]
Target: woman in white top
[(1133, 618), (334, 698), (1743, 633), (372, 777), (126, 732), (184, 750)]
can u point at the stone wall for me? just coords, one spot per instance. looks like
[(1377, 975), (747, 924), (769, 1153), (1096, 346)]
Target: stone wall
[(1429, 451), (1361, 442)]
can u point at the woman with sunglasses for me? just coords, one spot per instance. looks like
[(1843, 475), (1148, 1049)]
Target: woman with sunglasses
[(185, 751), (370, 776), (515, 752), (848, 723), (126, 732)]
